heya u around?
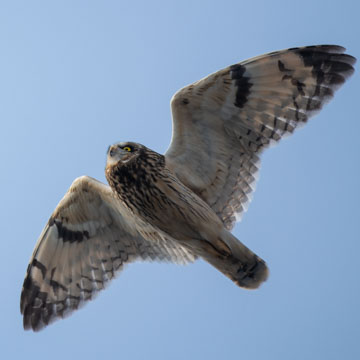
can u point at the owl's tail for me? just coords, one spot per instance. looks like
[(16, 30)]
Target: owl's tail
[(236, 261)]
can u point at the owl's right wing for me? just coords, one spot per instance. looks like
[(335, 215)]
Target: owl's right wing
[(222, 123), (89, 237)]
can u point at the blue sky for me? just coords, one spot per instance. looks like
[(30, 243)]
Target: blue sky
[(76, 76)]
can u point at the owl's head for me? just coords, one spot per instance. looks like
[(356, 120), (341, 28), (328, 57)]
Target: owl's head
[(124, 152)]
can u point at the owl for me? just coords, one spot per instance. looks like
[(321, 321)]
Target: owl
[(180, 206)]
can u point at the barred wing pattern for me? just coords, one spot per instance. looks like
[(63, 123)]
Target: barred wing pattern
[(222, 123), (89, 237)]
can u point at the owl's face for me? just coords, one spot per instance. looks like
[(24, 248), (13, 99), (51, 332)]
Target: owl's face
[(123, 152)]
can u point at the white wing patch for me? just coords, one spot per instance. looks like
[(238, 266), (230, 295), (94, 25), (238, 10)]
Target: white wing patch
[(222, 123)]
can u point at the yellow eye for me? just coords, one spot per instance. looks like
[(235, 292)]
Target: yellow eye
[(127, 148)]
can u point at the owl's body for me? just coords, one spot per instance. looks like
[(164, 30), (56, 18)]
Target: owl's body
[(151, 192), (181, 206)]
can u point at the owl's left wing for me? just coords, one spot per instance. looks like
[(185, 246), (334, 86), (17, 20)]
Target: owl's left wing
[(88, 239), (222, 123)]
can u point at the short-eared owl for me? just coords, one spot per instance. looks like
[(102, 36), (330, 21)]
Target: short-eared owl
[(182, 205)]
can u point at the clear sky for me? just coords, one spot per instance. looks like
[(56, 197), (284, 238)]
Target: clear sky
[(76, 76)]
